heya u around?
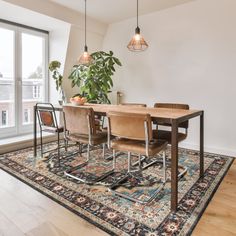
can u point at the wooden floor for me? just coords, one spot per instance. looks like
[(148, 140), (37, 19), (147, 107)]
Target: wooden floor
[(219, 219), (24, 211)]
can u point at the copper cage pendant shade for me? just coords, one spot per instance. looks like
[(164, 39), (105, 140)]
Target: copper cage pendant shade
[(85, 58), (137, 43)]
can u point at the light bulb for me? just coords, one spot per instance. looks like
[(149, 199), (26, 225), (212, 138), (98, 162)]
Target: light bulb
[(137, 37)]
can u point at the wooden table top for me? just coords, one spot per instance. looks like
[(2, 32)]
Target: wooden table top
[(159, 113)]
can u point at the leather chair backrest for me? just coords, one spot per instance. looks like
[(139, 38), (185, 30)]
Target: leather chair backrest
[(46, 118), (79, 119), (134, 104), (174, 106), (46, 115), (130, 125)]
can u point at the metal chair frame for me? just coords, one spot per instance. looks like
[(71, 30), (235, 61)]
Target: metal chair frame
[(48, 107), (68, 173), (129, 171), (174, 106)]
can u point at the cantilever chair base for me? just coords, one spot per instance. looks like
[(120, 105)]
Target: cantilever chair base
[(155, 194), (68, 174), (180, 175), (129, 174)]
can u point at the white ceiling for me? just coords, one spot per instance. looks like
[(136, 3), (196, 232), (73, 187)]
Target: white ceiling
[(110, 11)]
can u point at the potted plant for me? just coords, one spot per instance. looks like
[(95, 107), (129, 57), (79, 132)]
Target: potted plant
[(54, 67), (95, 80)]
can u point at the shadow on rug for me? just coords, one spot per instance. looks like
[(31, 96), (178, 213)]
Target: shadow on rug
[(113, 214)]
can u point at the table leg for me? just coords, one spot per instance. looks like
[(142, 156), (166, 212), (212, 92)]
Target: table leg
[(202, 144), (174, 166), (35, 132)]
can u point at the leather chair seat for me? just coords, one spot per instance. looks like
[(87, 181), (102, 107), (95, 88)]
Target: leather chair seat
[(166, 135), (60, 129), (98, 138), (136, 146)]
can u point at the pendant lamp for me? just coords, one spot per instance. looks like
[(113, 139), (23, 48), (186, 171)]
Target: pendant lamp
[(137, 43), (85, 58)]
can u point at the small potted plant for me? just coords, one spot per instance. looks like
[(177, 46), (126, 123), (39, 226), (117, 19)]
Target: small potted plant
[(54, 67)]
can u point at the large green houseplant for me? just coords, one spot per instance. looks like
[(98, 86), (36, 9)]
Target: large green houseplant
[(95, 80)]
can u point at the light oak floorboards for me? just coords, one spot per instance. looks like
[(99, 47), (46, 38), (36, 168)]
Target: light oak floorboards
[(219, 219), (24, 211)]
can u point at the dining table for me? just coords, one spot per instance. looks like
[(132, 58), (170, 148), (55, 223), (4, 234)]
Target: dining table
[(171, 116)]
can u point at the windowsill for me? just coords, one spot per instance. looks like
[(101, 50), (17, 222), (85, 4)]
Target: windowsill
[(23, 141)]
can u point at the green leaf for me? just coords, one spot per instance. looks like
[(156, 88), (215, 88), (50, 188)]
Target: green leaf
[(95, 81), (117, 61)]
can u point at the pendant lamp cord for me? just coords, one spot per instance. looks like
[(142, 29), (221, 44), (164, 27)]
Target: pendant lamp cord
[(85, 23), (137, 13)]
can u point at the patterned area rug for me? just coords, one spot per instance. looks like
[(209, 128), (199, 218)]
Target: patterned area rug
[(115, 215)]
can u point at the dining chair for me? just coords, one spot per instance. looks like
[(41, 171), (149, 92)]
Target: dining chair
[(133, 134), (135, 105), (48, 122), (80, 127), (101, 122), (166, 134)]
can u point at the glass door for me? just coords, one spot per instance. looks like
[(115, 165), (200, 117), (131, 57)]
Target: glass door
[(23, 77), (7, 82), (33, 76)]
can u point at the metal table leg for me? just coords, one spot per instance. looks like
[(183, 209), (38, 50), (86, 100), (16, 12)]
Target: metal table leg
[(174, 165), (202, 144)]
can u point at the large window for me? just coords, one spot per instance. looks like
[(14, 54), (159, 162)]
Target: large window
[(23, 76)]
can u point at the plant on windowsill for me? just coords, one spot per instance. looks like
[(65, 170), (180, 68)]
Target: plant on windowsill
[(95, 80), (54, 67)]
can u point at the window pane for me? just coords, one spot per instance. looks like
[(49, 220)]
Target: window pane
[(32, 74), (7, 81)]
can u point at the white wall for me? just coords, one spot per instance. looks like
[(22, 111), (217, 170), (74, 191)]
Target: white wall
[(191, 59), (74, 51), (58, 44)]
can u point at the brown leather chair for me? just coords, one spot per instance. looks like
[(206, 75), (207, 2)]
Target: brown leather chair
[(134, 104), (101, 121), (166, 134), (81, 128), (48, 123), (133, 134)]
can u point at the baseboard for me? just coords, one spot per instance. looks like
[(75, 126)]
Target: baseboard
[(227, 152)]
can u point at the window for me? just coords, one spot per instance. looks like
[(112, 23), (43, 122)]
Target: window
[(26, 118), (23, 76), (4, 118), (36, 91)]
